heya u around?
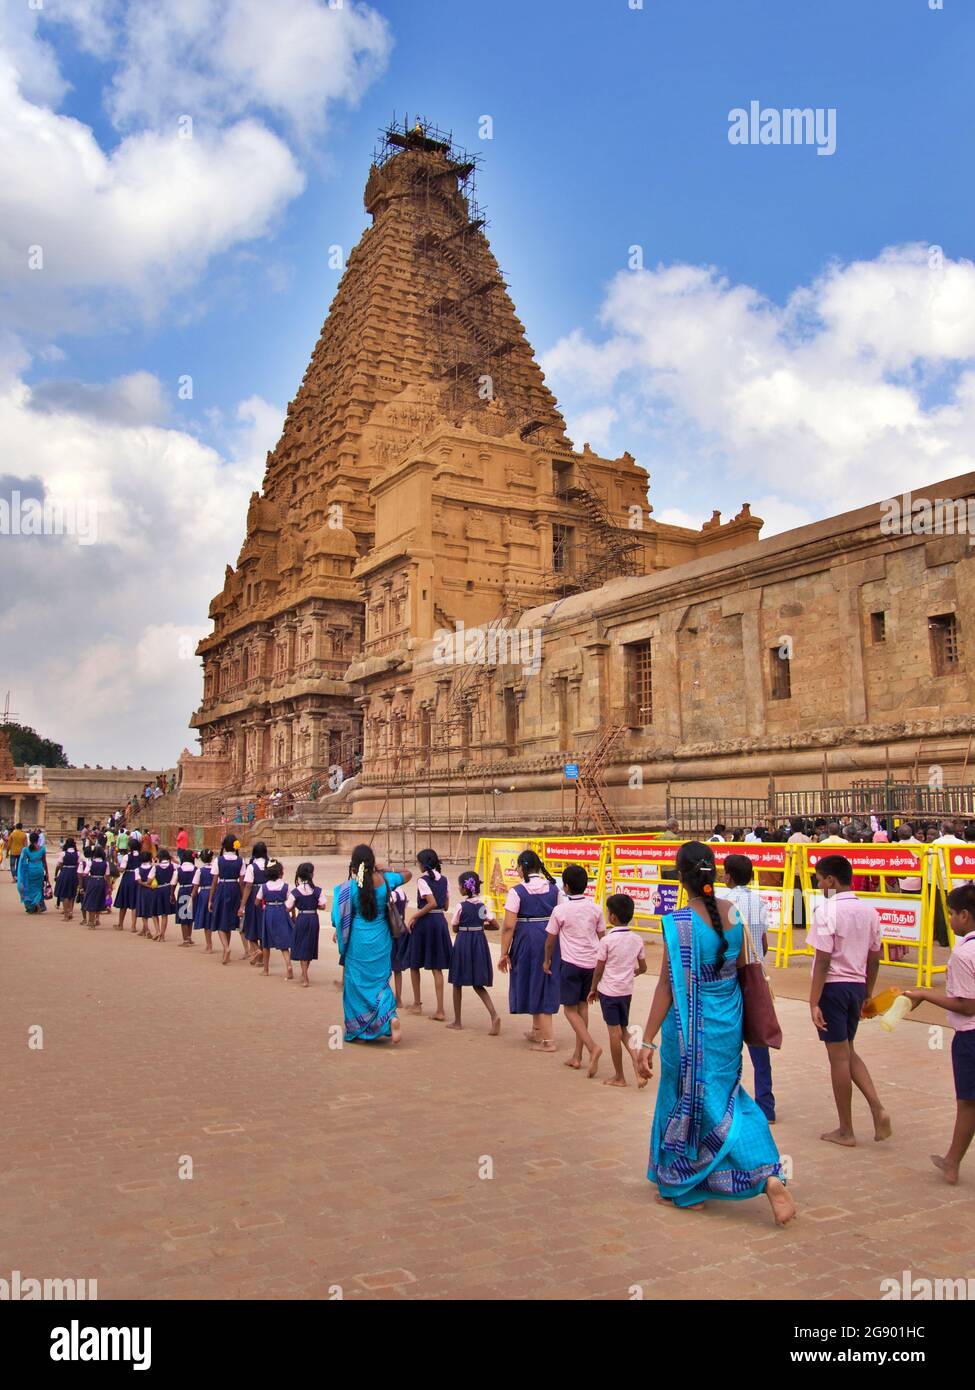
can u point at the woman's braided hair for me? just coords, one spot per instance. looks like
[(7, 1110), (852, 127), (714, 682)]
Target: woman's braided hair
[(696, 869)]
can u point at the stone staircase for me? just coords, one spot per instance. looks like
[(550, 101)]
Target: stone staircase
[(309, 830)]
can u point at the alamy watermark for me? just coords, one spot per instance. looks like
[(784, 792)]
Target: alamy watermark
[(908, 515), (32, 516), (20, 1288), (489, 646), (912, 1290), (792, 125)]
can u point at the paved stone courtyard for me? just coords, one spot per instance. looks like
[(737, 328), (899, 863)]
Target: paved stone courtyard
[(356, 1172)]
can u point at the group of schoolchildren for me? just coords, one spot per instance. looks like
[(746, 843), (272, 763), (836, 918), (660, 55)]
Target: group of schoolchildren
[(556, 948), (216, 895)]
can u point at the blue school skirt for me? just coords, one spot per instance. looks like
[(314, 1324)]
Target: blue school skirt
[(306, 929), (276, 931), (66, 883), (429, 947), (201, 913), (470, 960), (253, 913), (226, 905), (530, 990), (96, 891), (126, 894)]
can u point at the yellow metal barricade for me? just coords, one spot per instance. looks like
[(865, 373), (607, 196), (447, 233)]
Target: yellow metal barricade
[(952, 865), (497, 862), (906, 918)]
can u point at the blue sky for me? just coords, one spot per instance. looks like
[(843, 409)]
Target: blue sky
[(801, 333)]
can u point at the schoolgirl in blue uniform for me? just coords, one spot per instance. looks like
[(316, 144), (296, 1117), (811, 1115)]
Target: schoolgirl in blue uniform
[(470, 960), (254, 875), (225, 895), (429, 947), (145, 894), (304, 903), (527, 909), (185, 874), (127, 890), (66, 879), (165, 884), (276, 930), (97, 880), (202, 879)]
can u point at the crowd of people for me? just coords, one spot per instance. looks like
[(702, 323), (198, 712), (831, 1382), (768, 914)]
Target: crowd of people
[(560, 950), (846, 830)]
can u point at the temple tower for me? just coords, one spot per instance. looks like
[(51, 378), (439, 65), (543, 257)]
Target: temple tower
[(423, 480)]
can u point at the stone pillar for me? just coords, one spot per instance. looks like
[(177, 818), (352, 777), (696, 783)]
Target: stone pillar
[(748, 606)]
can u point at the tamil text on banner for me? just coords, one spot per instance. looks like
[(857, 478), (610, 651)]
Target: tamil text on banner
[(558, 851)]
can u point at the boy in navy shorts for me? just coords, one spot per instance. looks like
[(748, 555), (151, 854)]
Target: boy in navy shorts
[(959, 1000), (619, 958), (846, 935), (578, 924)]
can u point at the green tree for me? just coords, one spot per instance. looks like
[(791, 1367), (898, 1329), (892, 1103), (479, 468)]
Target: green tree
[(27, 746)]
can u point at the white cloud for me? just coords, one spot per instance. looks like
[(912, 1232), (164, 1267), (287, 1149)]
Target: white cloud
[(143, 220), (218, 59), (135, 399), (105, 631), (594, 427), (93, 231), (860, 385)]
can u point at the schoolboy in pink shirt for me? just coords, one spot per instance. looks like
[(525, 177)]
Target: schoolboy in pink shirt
[(577, 923), (959, 1001), (846, 935), (620, 957)]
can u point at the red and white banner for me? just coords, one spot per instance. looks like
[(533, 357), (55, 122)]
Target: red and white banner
[(871, 859)]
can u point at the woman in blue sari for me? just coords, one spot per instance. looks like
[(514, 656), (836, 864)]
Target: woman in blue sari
[(710, 1141), (32, 875), (365, 948)]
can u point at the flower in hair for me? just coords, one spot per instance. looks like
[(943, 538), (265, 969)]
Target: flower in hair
[(360, 875), (707, 890)]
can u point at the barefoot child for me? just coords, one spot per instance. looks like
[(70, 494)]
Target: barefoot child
[(276, 932), (959, 1000), (619, 958), (165, 875), (254, 875), (304, 902), (145, 894), (470, 960), (578, 925), (185, 878), (66, 878), (429, 947), (97, 885), (846, 935), (224, 906), (127, 888), (202, 881)]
